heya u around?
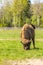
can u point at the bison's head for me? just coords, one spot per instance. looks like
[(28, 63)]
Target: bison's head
[(27, 46)]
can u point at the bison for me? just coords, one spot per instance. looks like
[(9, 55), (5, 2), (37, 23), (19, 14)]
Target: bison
[(28, 35)]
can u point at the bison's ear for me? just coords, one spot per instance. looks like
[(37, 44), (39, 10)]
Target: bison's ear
[(33, 26)]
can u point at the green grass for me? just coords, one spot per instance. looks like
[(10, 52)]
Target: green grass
[(15, 33), (39, 33), (10, 33), (13, 49)]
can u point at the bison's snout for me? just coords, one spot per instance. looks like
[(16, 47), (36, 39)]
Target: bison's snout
[(27, 46)]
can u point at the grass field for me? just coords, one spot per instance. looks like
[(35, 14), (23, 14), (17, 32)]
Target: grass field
[(13, 49)]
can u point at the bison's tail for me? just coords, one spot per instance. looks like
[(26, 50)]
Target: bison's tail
[(33, 26)]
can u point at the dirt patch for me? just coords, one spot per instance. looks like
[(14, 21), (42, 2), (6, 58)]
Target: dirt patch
[(23, 62)]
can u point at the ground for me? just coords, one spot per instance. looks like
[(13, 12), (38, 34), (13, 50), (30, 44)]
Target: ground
[(23, 62), (12, 52)]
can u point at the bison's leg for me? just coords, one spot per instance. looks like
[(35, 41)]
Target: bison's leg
[(33, 40), (29, 45)]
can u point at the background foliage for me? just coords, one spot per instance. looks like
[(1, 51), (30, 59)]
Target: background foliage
[(19, 12)]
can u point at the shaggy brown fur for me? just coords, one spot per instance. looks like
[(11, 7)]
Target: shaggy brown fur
[(28, 34)]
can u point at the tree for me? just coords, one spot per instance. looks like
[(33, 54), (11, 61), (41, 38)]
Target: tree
[(37, 11), (6, 15), (21, 11)]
